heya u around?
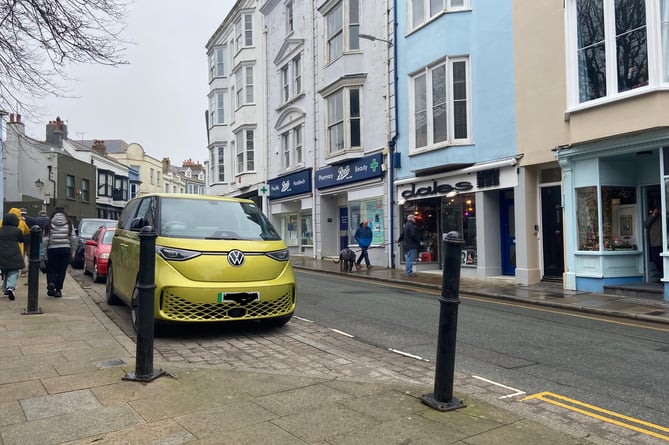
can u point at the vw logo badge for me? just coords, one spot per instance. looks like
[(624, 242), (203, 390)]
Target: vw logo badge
[(236, 257)]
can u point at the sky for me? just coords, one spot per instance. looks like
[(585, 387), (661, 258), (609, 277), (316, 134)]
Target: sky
[(159, 99)]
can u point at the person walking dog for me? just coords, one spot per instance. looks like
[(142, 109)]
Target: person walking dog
[(11, 254), (60, 238), (363, 236)]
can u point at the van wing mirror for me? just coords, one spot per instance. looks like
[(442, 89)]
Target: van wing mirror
[(137, 224)]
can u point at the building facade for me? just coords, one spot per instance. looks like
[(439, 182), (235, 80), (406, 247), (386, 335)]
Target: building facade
[(456, 150), (614, 160), (42, 175), (236, 118)]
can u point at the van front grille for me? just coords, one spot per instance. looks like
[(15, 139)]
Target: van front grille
[(178, 309)]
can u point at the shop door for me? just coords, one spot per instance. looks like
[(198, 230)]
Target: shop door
[(551, 232), (653, 260), (343, 228), (508, 235)]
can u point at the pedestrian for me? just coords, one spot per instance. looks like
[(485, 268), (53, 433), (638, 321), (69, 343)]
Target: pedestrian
[(25, 230), (58, 245), (363, 236), (411, 238), (11, 255)]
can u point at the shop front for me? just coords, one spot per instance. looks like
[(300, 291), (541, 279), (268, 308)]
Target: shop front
[(478, 203), (349, 193), (291, 205), (615, 212)]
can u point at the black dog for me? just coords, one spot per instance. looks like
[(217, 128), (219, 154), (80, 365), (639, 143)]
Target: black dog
[(346, 260)]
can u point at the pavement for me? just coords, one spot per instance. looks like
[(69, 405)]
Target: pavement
[(64, 380)]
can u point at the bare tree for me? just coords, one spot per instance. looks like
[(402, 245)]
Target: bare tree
[(40, 39)]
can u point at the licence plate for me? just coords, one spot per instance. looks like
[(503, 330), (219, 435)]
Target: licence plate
[(238, 297)]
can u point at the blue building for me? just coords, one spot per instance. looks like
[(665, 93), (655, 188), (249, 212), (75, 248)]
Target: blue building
[(455, 151)]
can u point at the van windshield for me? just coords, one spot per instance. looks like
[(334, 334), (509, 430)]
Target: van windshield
[(214, 219)]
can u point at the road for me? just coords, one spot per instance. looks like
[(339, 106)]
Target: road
[(615, 364)]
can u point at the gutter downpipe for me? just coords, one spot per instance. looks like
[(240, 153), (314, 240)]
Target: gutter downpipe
[(392, 144)]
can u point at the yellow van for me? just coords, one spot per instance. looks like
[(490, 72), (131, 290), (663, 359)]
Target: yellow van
[(217, 259)]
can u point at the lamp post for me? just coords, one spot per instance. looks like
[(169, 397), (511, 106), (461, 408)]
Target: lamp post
[(373, 39)]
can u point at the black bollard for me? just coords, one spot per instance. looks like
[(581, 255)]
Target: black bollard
[(145, 305), (33, 271), (442, 399)]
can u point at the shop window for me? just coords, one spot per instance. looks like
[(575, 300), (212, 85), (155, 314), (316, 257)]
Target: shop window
[(619, 218), (370, 210), (587, 218), (459, 214), (288, 229)]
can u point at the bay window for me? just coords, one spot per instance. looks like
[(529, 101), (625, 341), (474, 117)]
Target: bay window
[(440, 105)]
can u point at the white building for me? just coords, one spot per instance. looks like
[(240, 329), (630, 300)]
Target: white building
[(236, 116)]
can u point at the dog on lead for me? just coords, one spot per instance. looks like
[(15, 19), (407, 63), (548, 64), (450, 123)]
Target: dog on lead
[(346, 260)]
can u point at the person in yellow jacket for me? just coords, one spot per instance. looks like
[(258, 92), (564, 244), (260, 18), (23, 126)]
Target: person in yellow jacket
[(23, 227)]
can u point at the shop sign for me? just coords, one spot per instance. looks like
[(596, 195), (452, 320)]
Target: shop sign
[(352, 171), (289, 185), (435, 188)]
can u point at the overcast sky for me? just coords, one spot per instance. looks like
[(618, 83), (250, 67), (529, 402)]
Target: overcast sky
[(159, 99)]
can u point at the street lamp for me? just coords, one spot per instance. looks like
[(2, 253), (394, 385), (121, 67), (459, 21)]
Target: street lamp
[(372, 38)]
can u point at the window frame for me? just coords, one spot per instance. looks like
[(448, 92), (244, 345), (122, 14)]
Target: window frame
[(292, 147), (290, 23), (217, 62), (429, 13), (426, 73), (657, 58), (345, 120), (244, 83), (217, 101), (245, 150)]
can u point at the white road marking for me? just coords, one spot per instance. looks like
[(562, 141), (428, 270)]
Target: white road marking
[(516, 393), (406, 354), (341, 332)]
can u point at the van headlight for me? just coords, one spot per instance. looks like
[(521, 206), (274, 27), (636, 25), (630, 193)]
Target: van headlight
[(279, 255), (171, 254)]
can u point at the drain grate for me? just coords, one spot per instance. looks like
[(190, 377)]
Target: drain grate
[(111, 363)]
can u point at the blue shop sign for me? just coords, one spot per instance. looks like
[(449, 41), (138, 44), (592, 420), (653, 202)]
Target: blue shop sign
[(352, 171), (289, 185)]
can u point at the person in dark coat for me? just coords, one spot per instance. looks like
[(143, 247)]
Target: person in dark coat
[(11, 257), (411, 237)]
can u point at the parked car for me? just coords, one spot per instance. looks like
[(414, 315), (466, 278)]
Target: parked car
[(85, 231), (96, 253), (216, 259)]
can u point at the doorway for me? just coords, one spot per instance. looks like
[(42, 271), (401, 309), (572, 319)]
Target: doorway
[(652, 234), (551, 232), (343, 228), (508, 232)]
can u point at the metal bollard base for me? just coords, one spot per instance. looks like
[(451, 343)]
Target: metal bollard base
[(37, 312), (144, 378), (430, 401)]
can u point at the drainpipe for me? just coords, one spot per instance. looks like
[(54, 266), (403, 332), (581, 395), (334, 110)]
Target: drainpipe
[(392, 143), (53, 204)]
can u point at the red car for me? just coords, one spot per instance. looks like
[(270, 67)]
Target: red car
[(96, 253)]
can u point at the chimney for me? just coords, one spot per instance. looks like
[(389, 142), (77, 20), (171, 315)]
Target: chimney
[(16, 126), (99, 147), (56, 132), (166, 165)]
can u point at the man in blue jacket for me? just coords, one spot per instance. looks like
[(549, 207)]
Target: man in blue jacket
[(363, 235)]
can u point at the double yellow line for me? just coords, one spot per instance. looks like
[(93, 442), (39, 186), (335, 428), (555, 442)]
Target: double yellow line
[(605, 416)]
